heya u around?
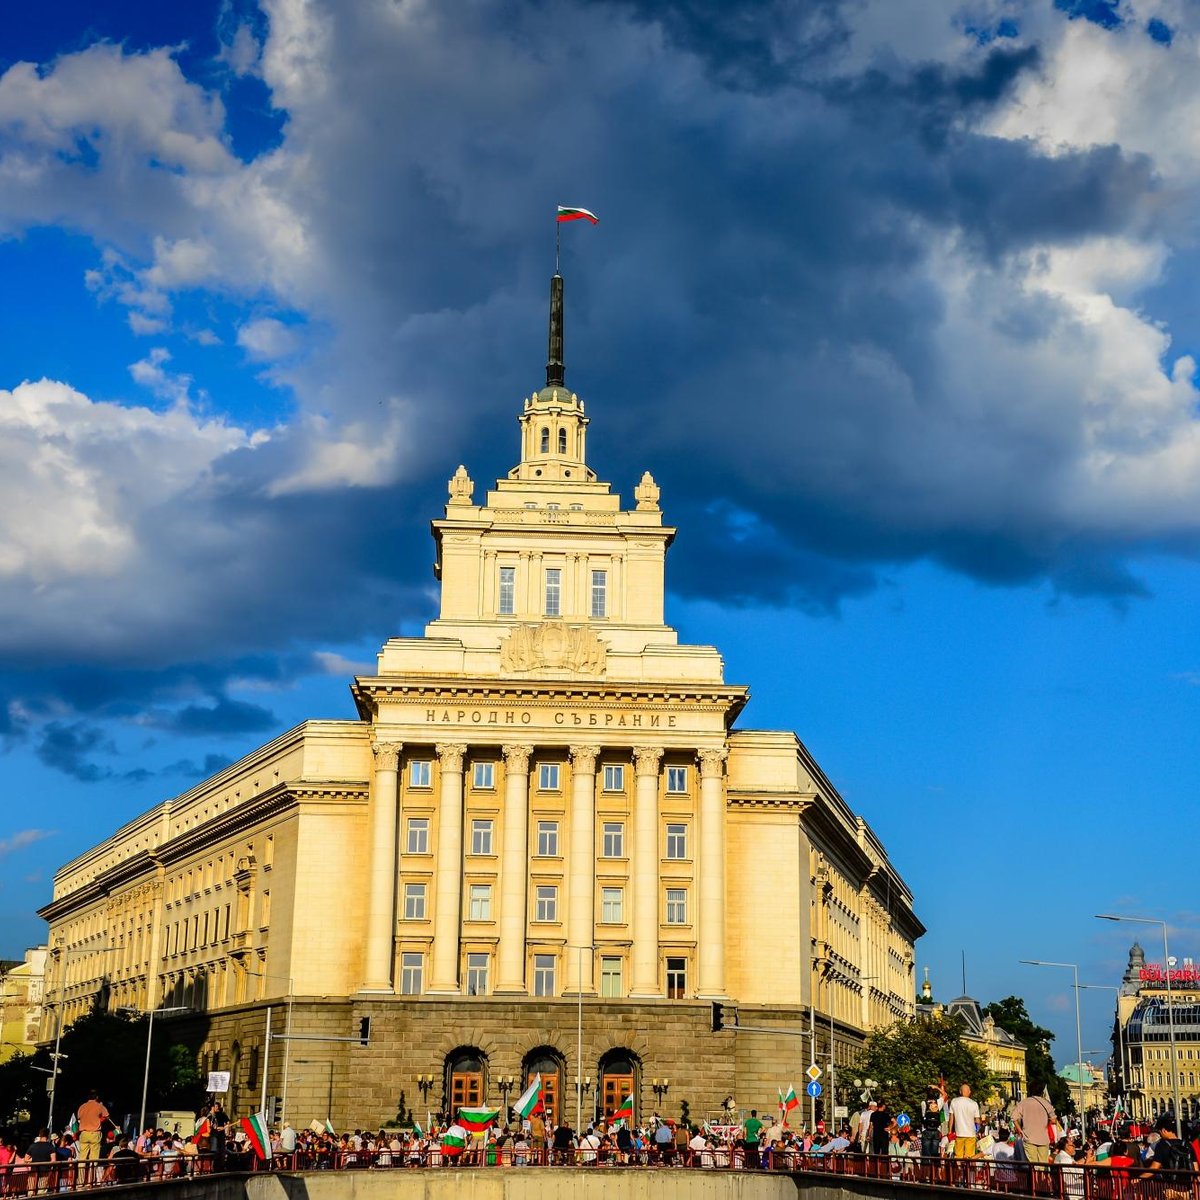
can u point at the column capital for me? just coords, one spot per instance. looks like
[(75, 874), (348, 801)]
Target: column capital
[(387, 755), (451, 755), (516, 759), (583, 759), (712, 762), (646, 759)]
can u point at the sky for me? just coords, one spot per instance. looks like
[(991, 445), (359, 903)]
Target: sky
[(894, 297)]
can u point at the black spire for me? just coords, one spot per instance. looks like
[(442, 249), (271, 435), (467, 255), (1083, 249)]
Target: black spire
[(555, 370)]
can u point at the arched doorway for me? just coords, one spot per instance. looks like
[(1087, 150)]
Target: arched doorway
[(466, 1079), (548, 1063), (617, 1079)]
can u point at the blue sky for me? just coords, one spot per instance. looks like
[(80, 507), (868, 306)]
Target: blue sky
[(894, 298)]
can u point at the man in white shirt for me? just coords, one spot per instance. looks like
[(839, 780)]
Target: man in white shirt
[(862, 1134), (964, 1118)]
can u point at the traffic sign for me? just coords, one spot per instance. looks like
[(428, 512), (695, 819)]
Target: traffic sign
[(813, 1089), (813, 1072)]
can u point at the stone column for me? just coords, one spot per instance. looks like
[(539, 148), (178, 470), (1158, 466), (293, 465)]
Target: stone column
[(379, 949), (581, 916), (646, 761), (447, 913), (514, 868), (710, 876)]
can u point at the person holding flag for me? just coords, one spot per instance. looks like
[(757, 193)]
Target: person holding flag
[(788, 1101), (933, 1119), (258, 1136)]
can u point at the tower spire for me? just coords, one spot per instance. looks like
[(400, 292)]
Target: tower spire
[(555, 371)]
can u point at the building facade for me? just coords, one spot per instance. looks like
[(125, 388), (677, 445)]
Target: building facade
[(1145, 1068), (544, 845), (21, 994)]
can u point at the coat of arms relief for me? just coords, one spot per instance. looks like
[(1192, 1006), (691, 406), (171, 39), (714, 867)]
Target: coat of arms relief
[(551, 646)]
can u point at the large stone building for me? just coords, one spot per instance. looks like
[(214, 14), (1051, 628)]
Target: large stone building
[(543, 845), (21, 993), (1145, 1070)]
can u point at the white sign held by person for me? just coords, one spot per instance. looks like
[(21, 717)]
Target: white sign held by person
[(218, 1081)]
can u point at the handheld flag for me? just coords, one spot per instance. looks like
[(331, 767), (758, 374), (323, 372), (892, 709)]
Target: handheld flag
[(454, 1141), (257, 1134), (788, 1101), (624, 1112), (476, 1120), (530, 1098), (73, 1126), (576, 214), (329, 1129), (417, 1131), (204, 1127)]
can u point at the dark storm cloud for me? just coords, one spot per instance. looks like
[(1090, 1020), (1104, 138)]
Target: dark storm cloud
[(221, 716)]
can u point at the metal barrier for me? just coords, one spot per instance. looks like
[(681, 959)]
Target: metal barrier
[(71, 1175)]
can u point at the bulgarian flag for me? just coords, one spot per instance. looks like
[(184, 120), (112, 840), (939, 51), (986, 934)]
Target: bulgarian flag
[(530, 1098), (73, 1126), (329, 1129), (257, 1134), (624, 1113), (788, 1101), (576, 214), (454, 1141), (476, 1120), (204, 1127)]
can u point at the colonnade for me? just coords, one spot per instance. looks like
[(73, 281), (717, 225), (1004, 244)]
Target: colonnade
[(707, 914)]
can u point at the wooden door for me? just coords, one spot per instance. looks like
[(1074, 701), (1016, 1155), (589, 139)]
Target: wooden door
[(616, 1088), (550, 1098), (466, 1090)]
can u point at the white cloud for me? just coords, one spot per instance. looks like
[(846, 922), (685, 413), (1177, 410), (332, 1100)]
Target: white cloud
[(266, 339), (151, 372), (21, 840)]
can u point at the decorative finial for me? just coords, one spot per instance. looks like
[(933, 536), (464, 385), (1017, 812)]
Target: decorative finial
[(647, 493), (462, 487)]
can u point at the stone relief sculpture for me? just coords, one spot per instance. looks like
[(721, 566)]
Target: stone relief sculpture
[(554, 646)]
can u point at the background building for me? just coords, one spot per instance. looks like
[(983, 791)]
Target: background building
[(543, 846), (21, 988), (1143, 1067)]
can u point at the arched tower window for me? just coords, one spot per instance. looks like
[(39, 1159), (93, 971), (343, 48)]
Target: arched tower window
[(545, 440), (562, 441)]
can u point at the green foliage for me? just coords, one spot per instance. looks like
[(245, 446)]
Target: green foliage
[(685, 1113), (1010, 1014), (404, 1115), (22, 1092), (907, 1056)]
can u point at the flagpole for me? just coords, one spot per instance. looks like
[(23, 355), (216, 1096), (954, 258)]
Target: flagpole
[(557, 243)]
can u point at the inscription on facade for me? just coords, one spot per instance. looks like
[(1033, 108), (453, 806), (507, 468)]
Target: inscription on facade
[(561, 717)]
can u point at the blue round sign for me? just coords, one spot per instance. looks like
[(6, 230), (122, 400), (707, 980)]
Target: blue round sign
[(903, 1121), (813, 1089)]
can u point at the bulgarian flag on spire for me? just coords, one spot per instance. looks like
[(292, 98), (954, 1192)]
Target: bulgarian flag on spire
[(624, 1113), (576, 214), (530, 1099), (476, 1120), (257, 1134)]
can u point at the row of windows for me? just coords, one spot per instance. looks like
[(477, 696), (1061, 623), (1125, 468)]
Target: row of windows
[(545, 975), (552, 592), (544, 442), (483, 776), (483, 838), (479, 903)]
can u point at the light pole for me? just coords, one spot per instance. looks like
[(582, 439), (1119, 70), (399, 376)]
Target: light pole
[(1108, 987), (287, 1046), (1170, 1013), (579, 1037), (1073, 967), (149, 1037)]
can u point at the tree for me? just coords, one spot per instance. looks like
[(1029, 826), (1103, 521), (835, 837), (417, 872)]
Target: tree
[(1011, 1015), (909, 1055)]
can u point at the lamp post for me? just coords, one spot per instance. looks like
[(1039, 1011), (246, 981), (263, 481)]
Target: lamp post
[(1074, 968), (1170, 1013), (149, 1037), (287, 1045), (579, 1036), (1108, 987)]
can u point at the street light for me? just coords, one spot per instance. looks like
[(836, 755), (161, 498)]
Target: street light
[(149, 1036), (1074, 967), (1108, 987), (287, 1045), (1170, 1013), (579, 1036)]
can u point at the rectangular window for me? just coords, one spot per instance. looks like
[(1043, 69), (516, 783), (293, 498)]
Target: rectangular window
[(677, 841), (414, 902), (676, 978), (611, 982), (547, 843), (677, 779), (508, 591), (614, 779), (543, 974), (676, 906), (477, 974), (548, 777), (547, 904), (484, 775), (612, 905), (599, 593), (553, 592), (480, 907), (418, 773), (481, 837), (418, 835), (614, 839), (412, 967)]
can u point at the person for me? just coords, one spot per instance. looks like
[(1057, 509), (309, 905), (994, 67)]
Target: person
[(699, 1150), (625, 1145), (1032, 1119), (537, 1138), (931, 1119), (1171, 1153), (564, 1143), (91, 1117), (664, 1142), (751, 1132), (1003, 1154), (862, 1131), (880, 1126), (287, 1142), (964, 1121), (125, 1161)]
